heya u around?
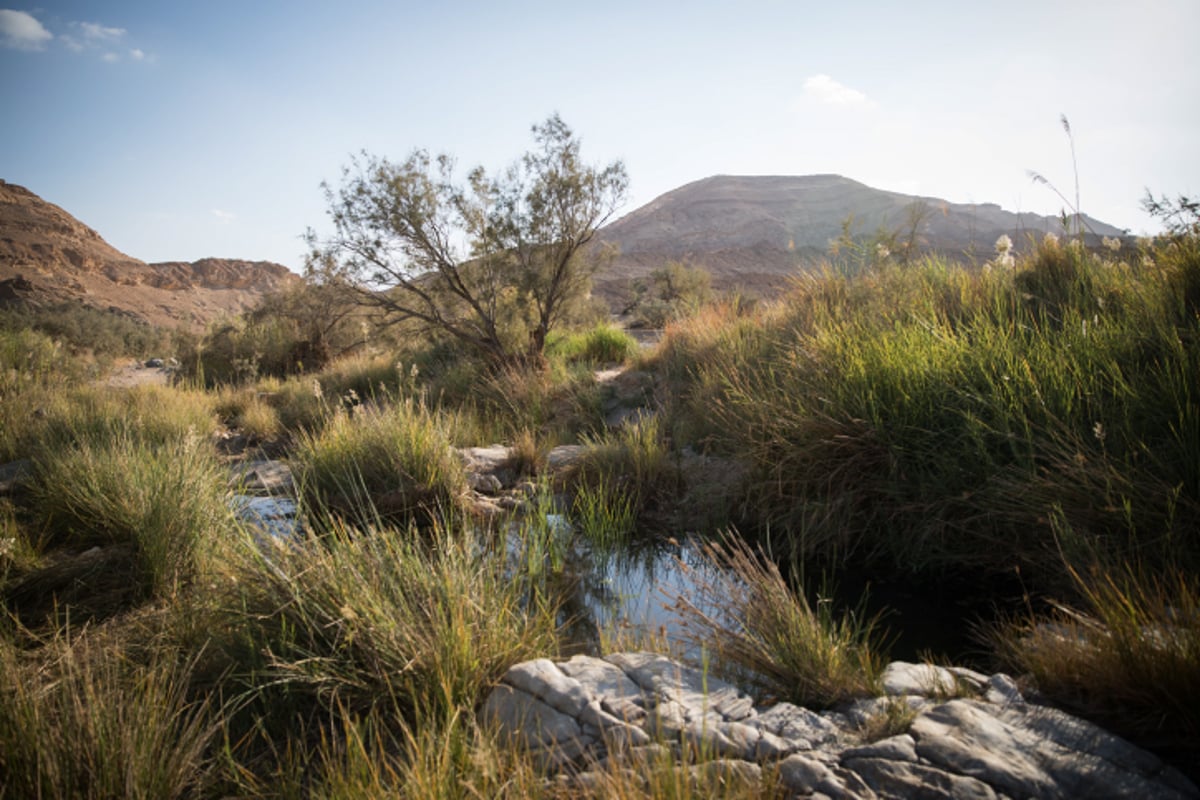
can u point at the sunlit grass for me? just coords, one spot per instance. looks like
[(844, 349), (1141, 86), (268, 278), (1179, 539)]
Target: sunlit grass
[(164, 499), (393, 462), (81, 722)]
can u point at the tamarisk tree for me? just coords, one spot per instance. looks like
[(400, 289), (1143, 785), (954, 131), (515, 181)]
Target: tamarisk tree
[(496, 262)]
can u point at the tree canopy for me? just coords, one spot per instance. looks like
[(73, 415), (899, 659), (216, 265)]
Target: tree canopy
[(495, 261)]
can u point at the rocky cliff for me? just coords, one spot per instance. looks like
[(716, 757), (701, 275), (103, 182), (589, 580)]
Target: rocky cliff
[(48, 258)]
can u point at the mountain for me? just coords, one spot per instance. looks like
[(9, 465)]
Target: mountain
[(753, 231), (47, 257)]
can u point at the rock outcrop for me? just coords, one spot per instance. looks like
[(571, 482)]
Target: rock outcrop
[(953, 733)]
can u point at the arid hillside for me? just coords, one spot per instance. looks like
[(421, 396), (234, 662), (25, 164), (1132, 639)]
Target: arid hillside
[(47, 258), (753, 231)]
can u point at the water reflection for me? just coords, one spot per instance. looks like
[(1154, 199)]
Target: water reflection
[(629, 593)]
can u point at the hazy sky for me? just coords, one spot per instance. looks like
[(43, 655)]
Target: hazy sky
[(180, 130)]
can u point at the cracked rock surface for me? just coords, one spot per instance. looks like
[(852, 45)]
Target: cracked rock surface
[(970, 735)]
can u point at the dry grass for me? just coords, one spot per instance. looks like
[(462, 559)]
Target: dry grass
[(758, 630), (1127, 656)]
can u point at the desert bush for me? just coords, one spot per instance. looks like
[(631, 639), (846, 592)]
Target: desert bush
[(668, 293), (83, 329), (241, 349)]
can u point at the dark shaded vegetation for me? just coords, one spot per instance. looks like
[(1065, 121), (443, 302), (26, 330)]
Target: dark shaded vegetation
[(87, 330)]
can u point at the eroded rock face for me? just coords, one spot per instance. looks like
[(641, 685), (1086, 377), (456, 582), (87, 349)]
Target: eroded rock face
[(970, 735)]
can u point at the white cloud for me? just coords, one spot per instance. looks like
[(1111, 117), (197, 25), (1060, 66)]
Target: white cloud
[(96, 32), (224, 217), (825, 89), (110, 58), (136, 54), (22, 31)]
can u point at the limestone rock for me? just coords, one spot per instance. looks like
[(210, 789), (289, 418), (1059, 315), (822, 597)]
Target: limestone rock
[(590, 718)]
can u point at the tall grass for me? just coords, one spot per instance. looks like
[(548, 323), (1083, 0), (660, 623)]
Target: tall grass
[(393, 462), (757, 629), (387, 618), (1127, 655), (165, 500), (934, 415), (80, 722)]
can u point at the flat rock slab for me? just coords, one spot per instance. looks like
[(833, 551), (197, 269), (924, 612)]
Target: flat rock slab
[(972, 735)]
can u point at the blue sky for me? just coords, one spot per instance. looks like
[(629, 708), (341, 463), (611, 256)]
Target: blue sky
[(181, 130)]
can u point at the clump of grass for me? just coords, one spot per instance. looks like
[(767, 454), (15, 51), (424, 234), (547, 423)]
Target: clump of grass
[(527, 453), (756, 628), (557, 402), (248, 411), (1127, 655), (394, 462), (422, 624), (165, 500), (76, 722), (606, 515), (625, 474), (895, 716), (602, 344)]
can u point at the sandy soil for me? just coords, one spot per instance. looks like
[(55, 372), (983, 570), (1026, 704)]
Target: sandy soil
[(133, 373)]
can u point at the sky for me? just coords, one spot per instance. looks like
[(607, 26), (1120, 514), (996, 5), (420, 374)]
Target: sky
[(181, 130)]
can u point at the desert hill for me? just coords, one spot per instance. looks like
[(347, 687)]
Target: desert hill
[(47, 257), (754, 230)]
